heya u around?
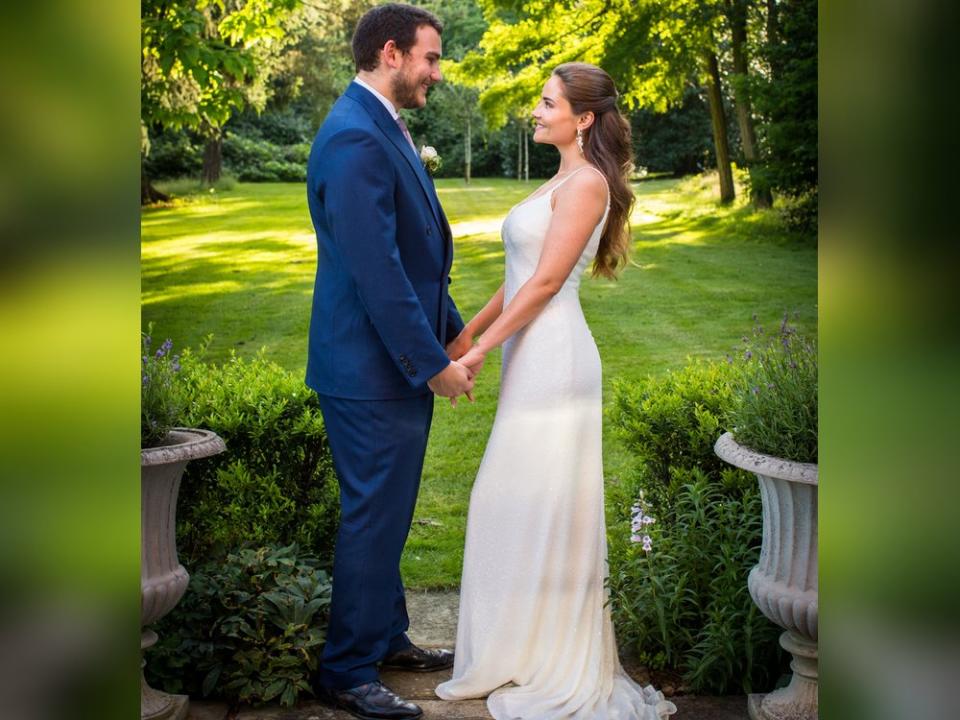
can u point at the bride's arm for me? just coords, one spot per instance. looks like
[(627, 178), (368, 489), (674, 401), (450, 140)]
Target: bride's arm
[(580, 203), (480, 322)]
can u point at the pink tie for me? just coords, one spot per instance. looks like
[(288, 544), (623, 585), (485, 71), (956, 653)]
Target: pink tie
[(406, 132)]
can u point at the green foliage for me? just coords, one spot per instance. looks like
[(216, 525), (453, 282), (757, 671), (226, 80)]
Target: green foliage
[(275, 482), (203, 59), (775, 400), (787, 99), (173, 154), (678, 141), (162, 401), (671, 422), (262, 161), (249, 629), (685, 604)]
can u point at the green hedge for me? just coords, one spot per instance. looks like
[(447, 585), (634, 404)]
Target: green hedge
[(684, 605), (275, 483)]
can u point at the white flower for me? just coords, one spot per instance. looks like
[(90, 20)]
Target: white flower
[(430, 158)]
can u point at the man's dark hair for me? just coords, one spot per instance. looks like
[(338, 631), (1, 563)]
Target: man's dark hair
[(392, 21)]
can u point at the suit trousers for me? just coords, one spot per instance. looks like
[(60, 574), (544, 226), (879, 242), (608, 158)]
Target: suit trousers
[(378, 448)]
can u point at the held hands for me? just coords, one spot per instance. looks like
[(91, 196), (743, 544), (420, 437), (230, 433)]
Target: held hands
[(463, 350), (453, 381), (473, 359), (458, 347)]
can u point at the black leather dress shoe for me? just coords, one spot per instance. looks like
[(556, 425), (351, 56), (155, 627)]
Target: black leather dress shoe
[(372, 701), (414, 659)]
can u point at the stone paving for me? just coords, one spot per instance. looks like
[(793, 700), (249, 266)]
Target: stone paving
[(433, 622)]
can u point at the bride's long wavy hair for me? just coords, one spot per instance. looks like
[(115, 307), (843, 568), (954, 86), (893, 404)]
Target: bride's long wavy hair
[(607, 145)]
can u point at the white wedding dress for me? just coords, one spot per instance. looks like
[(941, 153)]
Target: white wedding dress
[(534, 631)]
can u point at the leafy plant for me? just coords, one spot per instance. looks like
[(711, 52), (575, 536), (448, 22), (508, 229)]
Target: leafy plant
[(679, 585), (249, 629), (775, 403), (672, 422), (162, 403), (275, 482)]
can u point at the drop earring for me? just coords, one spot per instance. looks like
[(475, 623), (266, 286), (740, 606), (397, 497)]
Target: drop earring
[(580, 139)]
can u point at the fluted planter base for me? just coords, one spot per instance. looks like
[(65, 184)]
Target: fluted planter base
[(783, 584), (163, 580), (798, 700)]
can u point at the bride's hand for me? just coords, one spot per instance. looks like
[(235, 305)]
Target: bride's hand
[(458, 347), (473, 359)]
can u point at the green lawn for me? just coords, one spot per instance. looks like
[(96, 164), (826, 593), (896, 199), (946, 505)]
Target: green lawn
[(240, 264)]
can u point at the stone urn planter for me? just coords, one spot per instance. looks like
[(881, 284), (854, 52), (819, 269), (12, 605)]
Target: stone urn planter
[(163, 580), (784, 583)]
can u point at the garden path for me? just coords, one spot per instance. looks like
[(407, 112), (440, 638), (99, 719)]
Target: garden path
[(433, 622)]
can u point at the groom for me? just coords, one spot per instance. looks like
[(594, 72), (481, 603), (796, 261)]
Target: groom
[(380, 331)]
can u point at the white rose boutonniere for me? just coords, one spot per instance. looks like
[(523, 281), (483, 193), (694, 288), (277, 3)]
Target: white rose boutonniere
[(430, 159)]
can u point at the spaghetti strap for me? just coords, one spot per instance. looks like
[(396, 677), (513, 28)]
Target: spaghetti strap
[(582, 167)]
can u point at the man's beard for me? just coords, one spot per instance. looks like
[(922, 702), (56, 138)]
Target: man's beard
[(405, 92)]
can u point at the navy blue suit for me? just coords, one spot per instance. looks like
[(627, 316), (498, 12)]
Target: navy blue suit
[(381, 317)]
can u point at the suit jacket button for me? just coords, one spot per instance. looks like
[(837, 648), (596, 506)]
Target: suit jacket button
[(429, 230)]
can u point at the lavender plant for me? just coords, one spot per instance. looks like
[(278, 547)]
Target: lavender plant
[(774, 408), (162, 402)]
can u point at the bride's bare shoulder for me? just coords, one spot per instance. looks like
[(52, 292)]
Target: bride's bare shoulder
[(585, 189)]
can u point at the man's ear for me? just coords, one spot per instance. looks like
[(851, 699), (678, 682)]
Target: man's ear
[(391, 54)]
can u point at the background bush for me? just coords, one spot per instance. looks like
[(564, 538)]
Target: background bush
[(275, 483), (685, 604), (249, 629)]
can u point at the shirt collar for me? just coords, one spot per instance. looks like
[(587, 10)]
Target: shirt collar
[(386, 103)]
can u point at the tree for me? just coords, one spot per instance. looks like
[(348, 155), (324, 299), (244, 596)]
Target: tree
[(787, 97), (201, 60), (736, 15), (654, 51)]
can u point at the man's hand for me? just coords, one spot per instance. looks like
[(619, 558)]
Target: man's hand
[(454, 380), (459, 345)]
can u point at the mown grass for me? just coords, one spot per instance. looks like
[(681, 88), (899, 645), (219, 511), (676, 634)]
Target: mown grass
[(239, 263)]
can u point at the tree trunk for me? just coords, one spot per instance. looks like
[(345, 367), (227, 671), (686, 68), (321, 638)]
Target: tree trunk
[(526, 156), (759, 191), (719, 122), (467, 152), (773, 39), (519, 150), (148, 193), (213, 158)]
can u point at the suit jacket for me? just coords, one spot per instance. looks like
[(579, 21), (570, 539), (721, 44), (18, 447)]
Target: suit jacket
[(382, 313)]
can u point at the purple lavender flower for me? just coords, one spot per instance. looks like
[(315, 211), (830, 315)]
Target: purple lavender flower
[(747, 355), (647, 543), (145, 380), (755, 390)]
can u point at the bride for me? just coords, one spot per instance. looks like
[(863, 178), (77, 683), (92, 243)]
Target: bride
[(534, 631)]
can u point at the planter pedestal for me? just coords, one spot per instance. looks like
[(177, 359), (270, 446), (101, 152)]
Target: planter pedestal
[(784, 583), (163, 580)]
